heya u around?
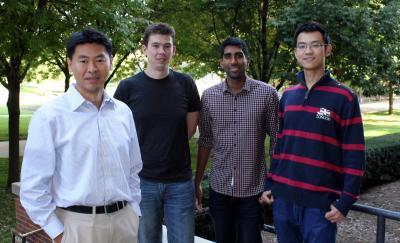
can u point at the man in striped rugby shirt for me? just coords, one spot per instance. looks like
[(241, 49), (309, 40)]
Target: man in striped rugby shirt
[(318, 164)]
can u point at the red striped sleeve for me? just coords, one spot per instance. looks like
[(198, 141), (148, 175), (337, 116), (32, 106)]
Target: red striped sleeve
[(353, 121), (360, 147)]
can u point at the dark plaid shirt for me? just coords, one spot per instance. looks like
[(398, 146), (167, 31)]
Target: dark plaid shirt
[(235, 128)]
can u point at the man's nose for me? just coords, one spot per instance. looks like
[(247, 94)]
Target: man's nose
[(233, 60), (161, 50), (92, 67)]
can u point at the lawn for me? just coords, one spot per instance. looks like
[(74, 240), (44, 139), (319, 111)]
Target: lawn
[(7, 207), (379, 124), (26, 113)]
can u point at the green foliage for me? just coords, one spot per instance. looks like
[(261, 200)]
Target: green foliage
[(383, 156), (268, 28), (121, 20), (385, 73)]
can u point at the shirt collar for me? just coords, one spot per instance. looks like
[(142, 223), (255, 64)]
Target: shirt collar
[(75, 99), (246, 87), (325, 78)]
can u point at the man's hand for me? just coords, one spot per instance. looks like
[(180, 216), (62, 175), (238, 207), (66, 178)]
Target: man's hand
[(58, 239), (266, 198), (334, 216), (199, 195)]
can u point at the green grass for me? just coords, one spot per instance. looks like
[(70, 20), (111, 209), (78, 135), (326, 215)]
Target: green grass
[(7, 206), (23, 126), (380, 124), (25, 117)]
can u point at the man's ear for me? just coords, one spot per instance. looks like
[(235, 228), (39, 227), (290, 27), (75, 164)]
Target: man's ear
[(328, 50), (69, 62), (144, 48)]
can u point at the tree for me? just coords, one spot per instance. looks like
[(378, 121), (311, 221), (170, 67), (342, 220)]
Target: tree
[(35, 31), (24, 33), (385, 74), (268, 27), (121, 20)]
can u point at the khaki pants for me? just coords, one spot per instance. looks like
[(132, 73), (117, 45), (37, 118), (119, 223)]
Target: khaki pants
[(117, 227)]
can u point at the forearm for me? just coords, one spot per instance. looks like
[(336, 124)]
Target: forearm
[(192, 119), (202, 159)]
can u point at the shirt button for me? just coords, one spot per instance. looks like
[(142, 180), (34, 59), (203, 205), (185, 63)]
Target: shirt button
[(234, 168)]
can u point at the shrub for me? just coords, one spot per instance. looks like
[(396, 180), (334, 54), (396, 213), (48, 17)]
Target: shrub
[(383, 159)]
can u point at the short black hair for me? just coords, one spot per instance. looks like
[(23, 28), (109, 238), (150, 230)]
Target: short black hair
[(312, 26), (234, 41), (88, 36), (158, 28)]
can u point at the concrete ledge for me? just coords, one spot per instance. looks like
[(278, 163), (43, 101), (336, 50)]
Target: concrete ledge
[(15, 187), (196, 239)]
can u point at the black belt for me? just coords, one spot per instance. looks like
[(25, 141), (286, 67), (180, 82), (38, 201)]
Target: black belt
[(110, 208)]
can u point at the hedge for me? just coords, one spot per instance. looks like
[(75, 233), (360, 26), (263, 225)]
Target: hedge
[(383, 158)]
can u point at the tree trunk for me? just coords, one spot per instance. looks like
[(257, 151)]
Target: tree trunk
[(117, 66), (13, 130), (390, 112), (263, 40), (66, 81)]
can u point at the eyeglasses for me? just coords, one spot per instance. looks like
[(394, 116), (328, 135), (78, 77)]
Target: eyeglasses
[(313, 46)]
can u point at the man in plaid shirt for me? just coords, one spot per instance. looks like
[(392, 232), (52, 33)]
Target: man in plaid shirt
[(235, 117)]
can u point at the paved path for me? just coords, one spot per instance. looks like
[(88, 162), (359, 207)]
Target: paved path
[(4, 148)]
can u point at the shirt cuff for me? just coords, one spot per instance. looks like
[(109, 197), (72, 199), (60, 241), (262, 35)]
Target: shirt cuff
[(54, 227), (135, 207)]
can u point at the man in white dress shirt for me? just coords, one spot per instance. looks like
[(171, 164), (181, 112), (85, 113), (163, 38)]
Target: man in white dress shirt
[(79, 178)]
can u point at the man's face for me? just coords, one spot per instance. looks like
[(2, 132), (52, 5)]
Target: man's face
[(234, 62), (159, 51), (311, 51), (90, 65)]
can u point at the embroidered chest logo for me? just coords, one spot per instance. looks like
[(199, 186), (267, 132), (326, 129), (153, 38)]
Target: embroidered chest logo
[(324, 114)]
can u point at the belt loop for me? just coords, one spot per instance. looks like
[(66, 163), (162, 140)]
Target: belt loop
[(94, 210), (105, 209)]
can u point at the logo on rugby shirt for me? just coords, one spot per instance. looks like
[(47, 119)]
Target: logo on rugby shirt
[(324, 114)]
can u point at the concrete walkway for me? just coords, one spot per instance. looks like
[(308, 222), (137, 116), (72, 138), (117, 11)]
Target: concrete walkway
[(4, 148)]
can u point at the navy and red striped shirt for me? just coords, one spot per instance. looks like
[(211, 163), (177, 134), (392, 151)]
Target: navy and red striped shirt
[(319, 159)]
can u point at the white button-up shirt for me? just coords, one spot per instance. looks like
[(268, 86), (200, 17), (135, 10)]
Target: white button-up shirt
[(77, 154)]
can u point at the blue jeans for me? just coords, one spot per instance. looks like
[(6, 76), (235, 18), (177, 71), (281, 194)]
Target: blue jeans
[(236, 218), (173, 202), (298, 224)]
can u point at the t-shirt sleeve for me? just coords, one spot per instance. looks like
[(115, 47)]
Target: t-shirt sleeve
[(120, 92), (194, 98)]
